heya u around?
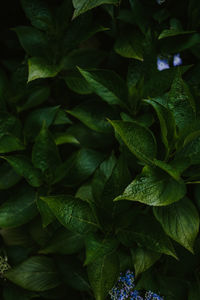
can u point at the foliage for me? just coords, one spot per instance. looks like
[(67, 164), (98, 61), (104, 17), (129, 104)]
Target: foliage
[(99, 148)]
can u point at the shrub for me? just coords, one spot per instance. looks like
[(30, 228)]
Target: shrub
[(100, 148)]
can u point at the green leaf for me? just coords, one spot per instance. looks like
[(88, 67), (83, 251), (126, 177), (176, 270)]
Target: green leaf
[(45, 155), (72, 213), (35, 119), (38, 273), (181, 103), (11, 292), (130, 45), (36, 97), (153, 187), (46, 214), (180, 221), (84, 58), (32, 40), (139, 139), (106, 84), (81, 6), (97, 246), (194, 291), (143, 259), (64, 242), (73, 273), (103, 274), (10, 143), (190, 153), (167, 123), (8, 177), (38, 13), (173, 32), (146, 232), (24, 168), (79, 167), (77, 83), (93, 114), (19, 209), (40, 68)]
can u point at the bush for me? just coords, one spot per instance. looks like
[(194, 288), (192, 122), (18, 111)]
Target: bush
[(100, 148)]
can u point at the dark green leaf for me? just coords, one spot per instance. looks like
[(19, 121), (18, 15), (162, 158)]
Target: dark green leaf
[(97, 247), (181, 103), (8, 177), (45, 155), (72, 213), (130, 45), (107, 84), (35, 119), (32, 40), (93, 114), (64, 242), (19, 209), (146, 232), (37, 273), (180, 221), (103, 274), (24, 168), (45, 212), (79, 166), (167, 123), (143, 259), (38, 13)]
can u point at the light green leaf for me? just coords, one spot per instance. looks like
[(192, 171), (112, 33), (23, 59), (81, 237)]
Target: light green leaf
[(64, 242), (97, 246), (143, 259), (107, 84), (72, 213), (19, 209), (24, 168), (139, 139), (103, 274), (81, 6), (38, 273), (180, 221), (39, 68), (153, 187)]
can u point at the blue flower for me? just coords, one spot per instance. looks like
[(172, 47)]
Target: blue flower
[(160, 2), (124, 289), (177, 61), (152, 296), (162, 64)]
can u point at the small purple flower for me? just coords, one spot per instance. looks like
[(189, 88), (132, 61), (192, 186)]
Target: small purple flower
[(152, 296), (177, 61), (162, 64)]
